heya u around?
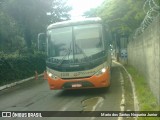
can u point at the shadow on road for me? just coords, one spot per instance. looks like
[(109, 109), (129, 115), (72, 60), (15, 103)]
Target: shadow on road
[(83, 92)]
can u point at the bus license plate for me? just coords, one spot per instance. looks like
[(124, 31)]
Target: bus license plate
[(76, 85)]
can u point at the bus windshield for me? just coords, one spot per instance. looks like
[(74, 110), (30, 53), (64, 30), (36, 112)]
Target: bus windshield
[(75, 42)]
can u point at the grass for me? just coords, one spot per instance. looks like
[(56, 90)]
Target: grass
[(147, 101)]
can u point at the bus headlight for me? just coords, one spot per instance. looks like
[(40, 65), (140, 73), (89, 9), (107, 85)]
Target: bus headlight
[(52, 76), (103, 70)]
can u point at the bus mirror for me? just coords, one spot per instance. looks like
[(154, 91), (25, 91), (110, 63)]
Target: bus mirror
[(42, 42)]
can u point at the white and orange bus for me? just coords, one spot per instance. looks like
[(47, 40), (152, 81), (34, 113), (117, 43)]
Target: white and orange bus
[(78, 54)]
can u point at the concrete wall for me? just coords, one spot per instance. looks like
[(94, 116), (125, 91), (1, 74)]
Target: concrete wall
[(144, 54)]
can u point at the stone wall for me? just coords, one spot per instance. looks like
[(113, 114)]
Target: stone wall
[(144, 54)]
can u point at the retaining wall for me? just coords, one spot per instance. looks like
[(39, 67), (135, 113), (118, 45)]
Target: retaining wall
[(144, 54)]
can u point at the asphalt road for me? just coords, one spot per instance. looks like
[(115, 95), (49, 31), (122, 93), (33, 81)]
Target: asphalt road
[(35, 95)]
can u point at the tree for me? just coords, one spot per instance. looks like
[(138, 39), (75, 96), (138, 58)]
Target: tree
[(31, 16), (122, 16), (10, 37), (91, 13), (59, 11)]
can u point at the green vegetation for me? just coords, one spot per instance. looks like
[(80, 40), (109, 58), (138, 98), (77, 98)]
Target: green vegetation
[(22, 20), (15, 67), (20, 23), (147, 101), (123, 16)]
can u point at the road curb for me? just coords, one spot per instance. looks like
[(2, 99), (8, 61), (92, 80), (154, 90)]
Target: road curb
[(18, 82), (136, 103)]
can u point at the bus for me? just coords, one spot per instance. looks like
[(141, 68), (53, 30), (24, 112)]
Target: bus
[(78, 54)]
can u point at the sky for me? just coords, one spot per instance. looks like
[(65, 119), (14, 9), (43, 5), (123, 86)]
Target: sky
[(80, 6)]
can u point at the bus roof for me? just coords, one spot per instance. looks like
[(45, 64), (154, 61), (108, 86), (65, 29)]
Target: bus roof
[(75, 22)]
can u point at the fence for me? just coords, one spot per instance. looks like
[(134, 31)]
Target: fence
[(152, 12)]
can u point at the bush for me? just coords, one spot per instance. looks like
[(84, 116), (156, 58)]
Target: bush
[(15, 67)]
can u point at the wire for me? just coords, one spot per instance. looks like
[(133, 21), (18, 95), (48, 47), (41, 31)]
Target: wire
[(151, 14)]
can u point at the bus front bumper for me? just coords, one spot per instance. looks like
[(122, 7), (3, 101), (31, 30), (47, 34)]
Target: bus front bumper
[(95, 81)]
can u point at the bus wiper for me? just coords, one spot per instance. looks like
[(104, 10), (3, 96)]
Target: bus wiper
[(67, 54), (81, 50)]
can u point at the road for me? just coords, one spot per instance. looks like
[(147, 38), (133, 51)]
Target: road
[(35, 95)]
